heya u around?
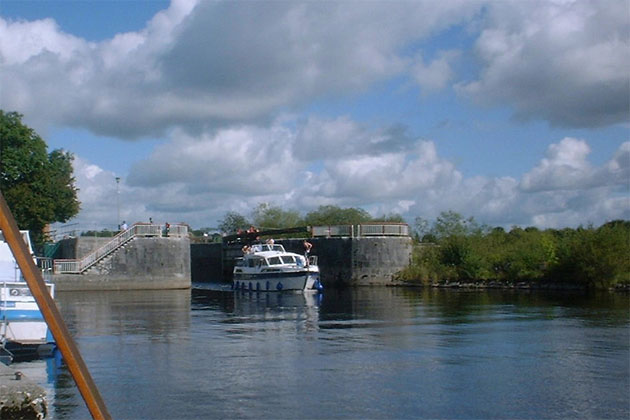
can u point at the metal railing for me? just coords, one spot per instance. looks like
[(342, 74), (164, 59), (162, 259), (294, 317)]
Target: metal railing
[(137, 230), (384, 229), (366, 229), (336, 230)]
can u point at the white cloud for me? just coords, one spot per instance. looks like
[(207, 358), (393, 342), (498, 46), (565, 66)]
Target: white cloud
[(565, 167), (197, 180), (210, 63), (563, 61), (213, 78), (435, 75), (201, 64)]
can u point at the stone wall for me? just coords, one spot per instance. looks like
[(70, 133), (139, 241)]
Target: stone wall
[(73, 248), (377, 260), (143, 263), (342, 261)]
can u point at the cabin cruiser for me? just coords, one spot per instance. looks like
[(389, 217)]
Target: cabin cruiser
[(270, 268), (23, 330)]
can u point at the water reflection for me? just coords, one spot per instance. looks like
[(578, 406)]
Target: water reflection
[(158, 314), (350, 353)]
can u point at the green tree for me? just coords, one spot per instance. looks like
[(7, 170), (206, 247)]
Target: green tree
[(334, 215), (266, 216), (232, 222), (390, 218), (38, 187), (450, 223)]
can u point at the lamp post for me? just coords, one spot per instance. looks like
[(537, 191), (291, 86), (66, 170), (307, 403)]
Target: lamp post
[(118, 201)]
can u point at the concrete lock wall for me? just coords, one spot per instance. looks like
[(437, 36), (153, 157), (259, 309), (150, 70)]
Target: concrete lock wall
[(71, 248), (342, 261), (357, 261), (143, 263), (375, 261)]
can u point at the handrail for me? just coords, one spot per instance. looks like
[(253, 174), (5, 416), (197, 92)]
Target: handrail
[(383, 229), (364, 229), (76, 266)]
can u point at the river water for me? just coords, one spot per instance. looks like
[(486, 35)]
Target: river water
[(368, 353)]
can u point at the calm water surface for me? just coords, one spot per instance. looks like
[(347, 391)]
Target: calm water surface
[(370, 353)]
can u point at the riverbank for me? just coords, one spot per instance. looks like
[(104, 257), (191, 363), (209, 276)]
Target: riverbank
[(523, 285), (20, 398)]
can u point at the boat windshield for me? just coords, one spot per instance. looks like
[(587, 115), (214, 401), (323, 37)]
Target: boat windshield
[(267, 247), (288, 259), (275, 261)]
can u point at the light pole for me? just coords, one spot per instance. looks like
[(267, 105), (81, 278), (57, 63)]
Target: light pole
[(118, 201)]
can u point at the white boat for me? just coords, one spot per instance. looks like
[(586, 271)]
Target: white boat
[(23, 329), (270, 268)]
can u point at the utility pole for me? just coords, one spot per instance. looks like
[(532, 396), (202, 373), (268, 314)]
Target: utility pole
[(118, 201)]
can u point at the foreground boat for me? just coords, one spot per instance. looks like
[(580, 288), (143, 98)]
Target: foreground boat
[(23, 330), (270, 268)]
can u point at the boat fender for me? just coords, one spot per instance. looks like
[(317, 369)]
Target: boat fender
[(279, 286), (267, 285), (319, 286)]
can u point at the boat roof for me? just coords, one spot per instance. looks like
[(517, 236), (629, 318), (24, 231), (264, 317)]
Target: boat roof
[(268, 251), (274, 248)]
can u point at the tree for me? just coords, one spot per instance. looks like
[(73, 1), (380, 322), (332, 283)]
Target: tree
[(450, 223), (38, 187), (232, 222), (333, 215), (390, 218), (266, 216)]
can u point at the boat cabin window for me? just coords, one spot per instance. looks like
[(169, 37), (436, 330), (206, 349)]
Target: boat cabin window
[(274, 261), (288, 259), (255, 262), (278, 248)]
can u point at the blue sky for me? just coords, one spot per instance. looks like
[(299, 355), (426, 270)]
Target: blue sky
[(516, 113)]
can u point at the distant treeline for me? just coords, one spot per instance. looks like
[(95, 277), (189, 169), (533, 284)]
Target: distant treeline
[(455, 249)]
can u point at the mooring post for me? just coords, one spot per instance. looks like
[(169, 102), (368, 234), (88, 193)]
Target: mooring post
[(47, 306)]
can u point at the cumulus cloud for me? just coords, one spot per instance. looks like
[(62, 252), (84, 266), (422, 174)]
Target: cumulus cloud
[(216, 79), (566, 168), (341, 137), (197, 180), (213, 64), (210, 64), (563, 61), (435, 75)]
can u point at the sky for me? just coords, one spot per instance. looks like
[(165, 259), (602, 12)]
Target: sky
[(516, 113)]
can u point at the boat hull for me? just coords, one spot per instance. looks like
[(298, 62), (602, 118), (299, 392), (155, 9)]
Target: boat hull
[(276, 282), (22, 325)]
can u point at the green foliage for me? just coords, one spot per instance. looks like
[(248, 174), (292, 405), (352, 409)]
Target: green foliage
[(465, 251), (595, 257), (38, 187), (232, 222), (333, 215), (390, 218), (450, 223), (266, 216)]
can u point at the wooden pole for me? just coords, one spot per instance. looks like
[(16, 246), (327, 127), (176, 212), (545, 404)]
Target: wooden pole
[(51, 314)]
